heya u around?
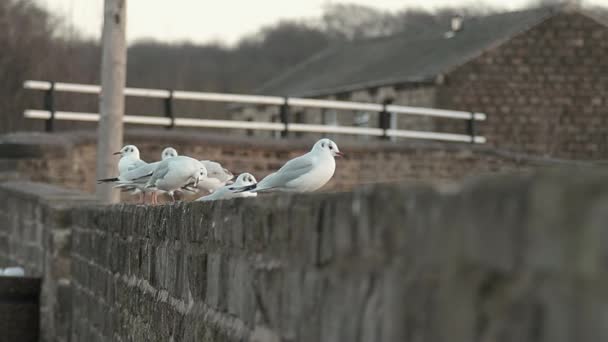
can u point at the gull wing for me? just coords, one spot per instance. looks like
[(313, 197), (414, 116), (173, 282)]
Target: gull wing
[(160, 171), (293, 169), (215, 170), (139, 175), (136, 165)]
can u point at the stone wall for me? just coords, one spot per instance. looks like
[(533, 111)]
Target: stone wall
[(503, 258), (543, 90), (68, 159), (498, 258), (35, 221)]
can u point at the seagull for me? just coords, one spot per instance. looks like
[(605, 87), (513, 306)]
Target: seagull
[(175, 173), (243, 180), (168, 152), (305, 173), (134, 180), (217, 177), (129, 159)]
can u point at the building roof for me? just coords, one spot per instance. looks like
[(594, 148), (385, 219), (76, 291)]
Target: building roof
[(402, 58)]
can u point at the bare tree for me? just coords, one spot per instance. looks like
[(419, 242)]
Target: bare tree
[(352, 22)]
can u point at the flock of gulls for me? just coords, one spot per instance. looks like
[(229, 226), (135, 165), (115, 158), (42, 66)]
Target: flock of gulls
[(175, 174)]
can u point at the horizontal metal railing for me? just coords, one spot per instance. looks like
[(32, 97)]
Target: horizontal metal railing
[(169, 120)]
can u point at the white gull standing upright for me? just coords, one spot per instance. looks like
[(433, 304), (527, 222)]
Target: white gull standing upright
[(305, 173), (168, 152), (129, 159)]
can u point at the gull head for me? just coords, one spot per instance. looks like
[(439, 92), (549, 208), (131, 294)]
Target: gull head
[(244, 179), (199, 175), (327, 146), (129, 151), (168, 152)]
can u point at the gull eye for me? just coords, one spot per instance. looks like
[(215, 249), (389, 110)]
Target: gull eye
[(331, 147)]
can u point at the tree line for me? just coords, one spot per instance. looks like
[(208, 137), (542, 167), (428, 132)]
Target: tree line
[(37, 46)]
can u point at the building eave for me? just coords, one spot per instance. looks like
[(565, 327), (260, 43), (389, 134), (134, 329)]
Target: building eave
[(430, 80)]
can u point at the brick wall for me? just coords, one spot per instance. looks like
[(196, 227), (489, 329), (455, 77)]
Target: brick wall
[(69, 159), (35, 222), (544, 90)]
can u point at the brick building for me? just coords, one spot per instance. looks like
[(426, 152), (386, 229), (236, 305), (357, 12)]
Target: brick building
[(541, 75)]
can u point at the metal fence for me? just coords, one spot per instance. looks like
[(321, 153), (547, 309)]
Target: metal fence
[(50, 114)]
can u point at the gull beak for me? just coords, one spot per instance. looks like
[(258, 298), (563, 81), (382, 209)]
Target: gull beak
[(115, 153), (339, 154)]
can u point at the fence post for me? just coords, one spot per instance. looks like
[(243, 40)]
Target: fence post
[(249, 132), (169, 110), (384, 119), (284, 112), (471, 127), (49, 105)]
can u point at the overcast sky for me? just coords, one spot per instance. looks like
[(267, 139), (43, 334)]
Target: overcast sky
[(219, 20)]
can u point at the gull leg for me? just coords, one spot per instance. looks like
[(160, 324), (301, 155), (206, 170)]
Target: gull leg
[(142, 198), (172, 196), (154, 198)]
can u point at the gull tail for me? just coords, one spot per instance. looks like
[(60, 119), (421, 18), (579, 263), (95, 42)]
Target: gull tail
[(243, 188), (125, 187), (107, 180)]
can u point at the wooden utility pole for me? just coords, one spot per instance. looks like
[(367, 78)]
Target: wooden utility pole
[(111, 100)]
